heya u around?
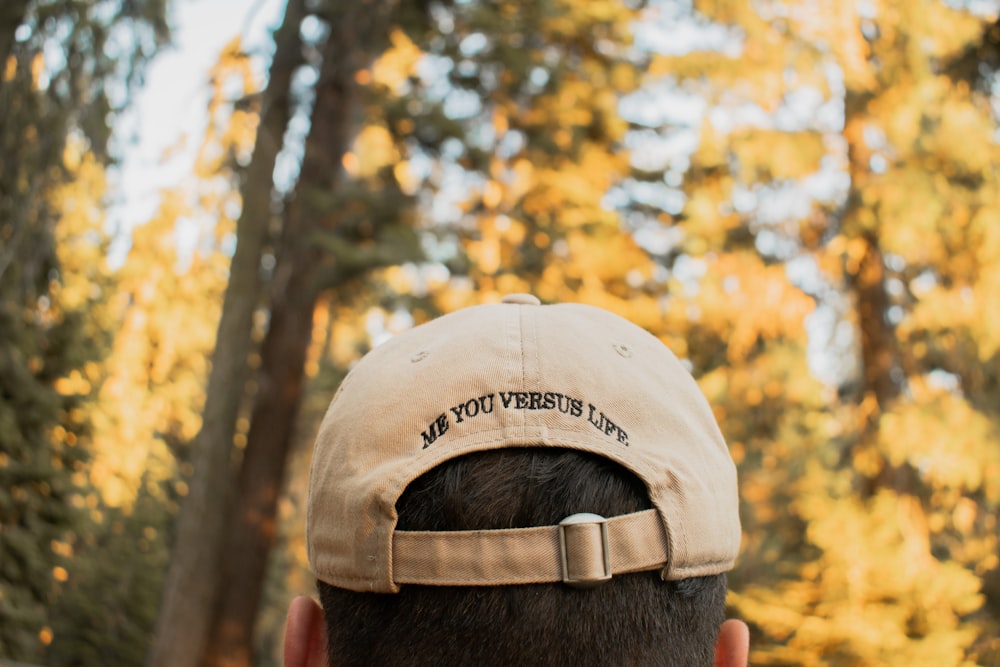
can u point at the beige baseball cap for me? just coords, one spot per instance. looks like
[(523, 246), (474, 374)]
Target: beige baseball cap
[(507, 375)]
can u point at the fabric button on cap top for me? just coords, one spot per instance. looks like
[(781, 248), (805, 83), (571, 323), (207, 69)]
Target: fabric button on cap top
[(523, 299)]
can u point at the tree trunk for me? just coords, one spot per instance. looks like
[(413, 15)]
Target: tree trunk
[(251, 533), (881, 365), (191, 585), (879, 348), (880, 358)]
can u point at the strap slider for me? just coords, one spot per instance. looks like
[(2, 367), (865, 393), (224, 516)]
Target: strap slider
[(584, 549)]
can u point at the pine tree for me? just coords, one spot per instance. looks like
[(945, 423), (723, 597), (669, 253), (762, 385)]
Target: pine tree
[(54, 132), (190, 585), (310, 258), (45, 362), (198, 569)]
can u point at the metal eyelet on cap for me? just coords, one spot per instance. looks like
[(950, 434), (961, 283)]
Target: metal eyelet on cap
[(522, 299)]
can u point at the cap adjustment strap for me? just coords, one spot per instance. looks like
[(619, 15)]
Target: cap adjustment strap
[(583, 550)]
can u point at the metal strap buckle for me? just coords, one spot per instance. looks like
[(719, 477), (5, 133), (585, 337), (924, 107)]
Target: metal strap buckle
[(582, 520)]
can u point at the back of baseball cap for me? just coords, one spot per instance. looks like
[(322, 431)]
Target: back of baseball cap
[(508, 375)]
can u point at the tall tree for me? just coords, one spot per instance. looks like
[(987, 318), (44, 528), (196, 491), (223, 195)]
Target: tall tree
[(59, 70), (303, 269), (45, 361), (192, 584)]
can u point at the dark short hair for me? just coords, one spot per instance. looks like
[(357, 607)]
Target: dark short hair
[(635, 619)]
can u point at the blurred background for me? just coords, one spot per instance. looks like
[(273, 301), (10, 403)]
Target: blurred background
[(210, 210)]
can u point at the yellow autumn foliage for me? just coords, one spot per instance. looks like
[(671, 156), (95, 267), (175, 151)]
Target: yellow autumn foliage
[(829, 271)]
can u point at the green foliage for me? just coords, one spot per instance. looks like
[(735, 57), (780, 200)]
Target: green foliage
[(107, 609), (63, 68), (36, 492), (46, 356)]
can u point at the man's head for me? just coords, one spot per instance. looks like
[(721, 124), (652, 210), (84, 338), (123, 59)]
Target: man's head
[(521, 483)]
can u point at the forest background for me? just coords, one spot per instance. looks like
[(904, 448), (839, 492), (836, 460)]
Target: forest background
[(799, 198)]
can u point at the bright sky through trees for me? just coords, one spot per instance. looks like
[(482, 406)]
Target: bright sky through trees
[(158, 137)]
